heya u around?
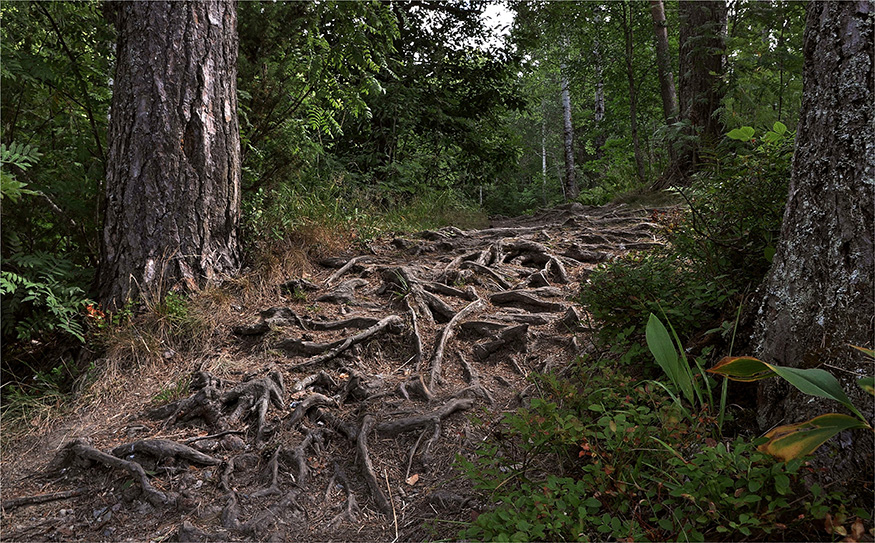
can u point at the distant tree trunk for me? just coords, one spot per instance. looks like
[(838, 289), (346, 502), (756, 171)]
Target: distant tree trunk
[(672, 173), (544, 150), (570, 184), (173, 173), (599, 105), (702, 44), (820, 292), (633, 95), (663, 62)]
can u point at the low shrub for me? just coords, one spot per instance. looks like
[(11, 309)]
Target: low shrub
[(622, 293), (611, 458), (719, 247)]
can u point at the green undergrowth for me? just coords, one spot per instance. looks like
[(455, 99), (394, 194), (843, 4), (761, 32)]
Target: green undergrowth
[(351, 212), (719, 245), (604, 456)]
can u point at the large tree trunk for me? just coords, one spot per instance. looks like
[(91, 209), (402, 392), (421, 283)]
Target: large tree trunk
[(663, 62), (173, 175), (702, 44), (633, 95), (570, 183), (819, 292)]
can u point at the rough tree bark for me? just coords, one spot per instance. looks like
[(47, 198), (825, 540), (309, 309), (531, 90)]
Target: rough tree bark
[(701, 43), (663, 62), (173, 173), (570, 183), (820, 293)]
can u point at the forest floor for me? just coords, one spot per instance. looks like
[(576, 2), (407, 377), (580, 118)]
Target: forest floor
[(336, 412)]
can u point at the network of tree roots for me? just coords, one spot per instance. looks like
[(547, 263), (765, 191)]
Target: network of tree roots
[(378, 366)]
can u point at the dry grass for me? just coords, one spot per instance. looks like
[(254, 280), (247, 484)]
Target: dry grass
[(148, 353)]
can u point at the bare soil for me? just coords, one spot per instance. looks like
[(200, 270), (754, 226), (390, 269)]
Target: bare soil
[(362, 384)]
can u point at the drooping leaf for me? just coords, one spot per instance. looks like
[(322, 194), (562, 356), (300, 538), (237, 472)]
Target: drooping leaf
[(742, 368), (813, 381), (868, 352), (797, 440)]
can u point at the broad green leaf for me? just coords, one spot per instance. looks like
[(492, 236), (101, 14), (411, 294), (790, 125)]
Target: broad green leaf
[(867, 384), (745, 133), (779, 128), (663, 350), (797, 440), (742, 368), (813, 381), (771, 137)]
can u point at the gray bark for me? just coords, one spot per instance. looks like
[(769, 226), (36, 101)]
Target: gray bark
[(173, 174), (571, 190), (820, 293), (544, 151)]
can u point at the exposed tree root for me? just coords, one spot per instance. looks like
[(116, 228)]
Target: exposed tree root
[(272, 317), (316, 379), (407, 424), (510, 334), (390, 323), (80, 449), (415, 384), (163, 448), (351, 508), (417, 337), (343, 293), (486, 271), (474, 385), (273, 469), (9, 505), (346, 267), (308, 403), (524, 300), (440, 288), (367, 468), (263, 451), (438, 356), (355, 321)]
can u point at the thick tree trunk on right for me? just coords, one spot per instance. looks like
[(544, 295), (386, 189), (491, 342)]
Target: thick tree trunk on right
[(702, 44), (820, 292)]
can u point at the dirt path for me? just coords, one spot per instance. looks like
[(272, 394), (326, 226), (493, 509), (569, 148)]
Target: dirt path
[(374, 370)]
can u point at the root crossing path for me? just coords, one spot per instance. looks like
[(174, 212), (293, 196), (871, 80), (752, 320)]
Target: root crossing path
[(377, 373)]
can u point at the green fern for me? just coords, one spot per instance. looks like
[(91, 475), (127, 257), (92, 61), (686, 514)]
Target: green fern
[(22, 156), (39, 295)]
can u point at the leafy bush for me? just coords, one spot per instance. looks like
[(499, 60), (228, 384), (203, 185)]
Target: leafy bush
[(718, 248), (22, 156), (613, 459), (736, 206), (622, 293), (40, 294)]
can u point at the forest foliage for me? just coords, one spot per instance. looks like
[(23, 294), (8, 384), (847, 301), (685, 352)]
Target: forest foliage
[(365, 117)]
